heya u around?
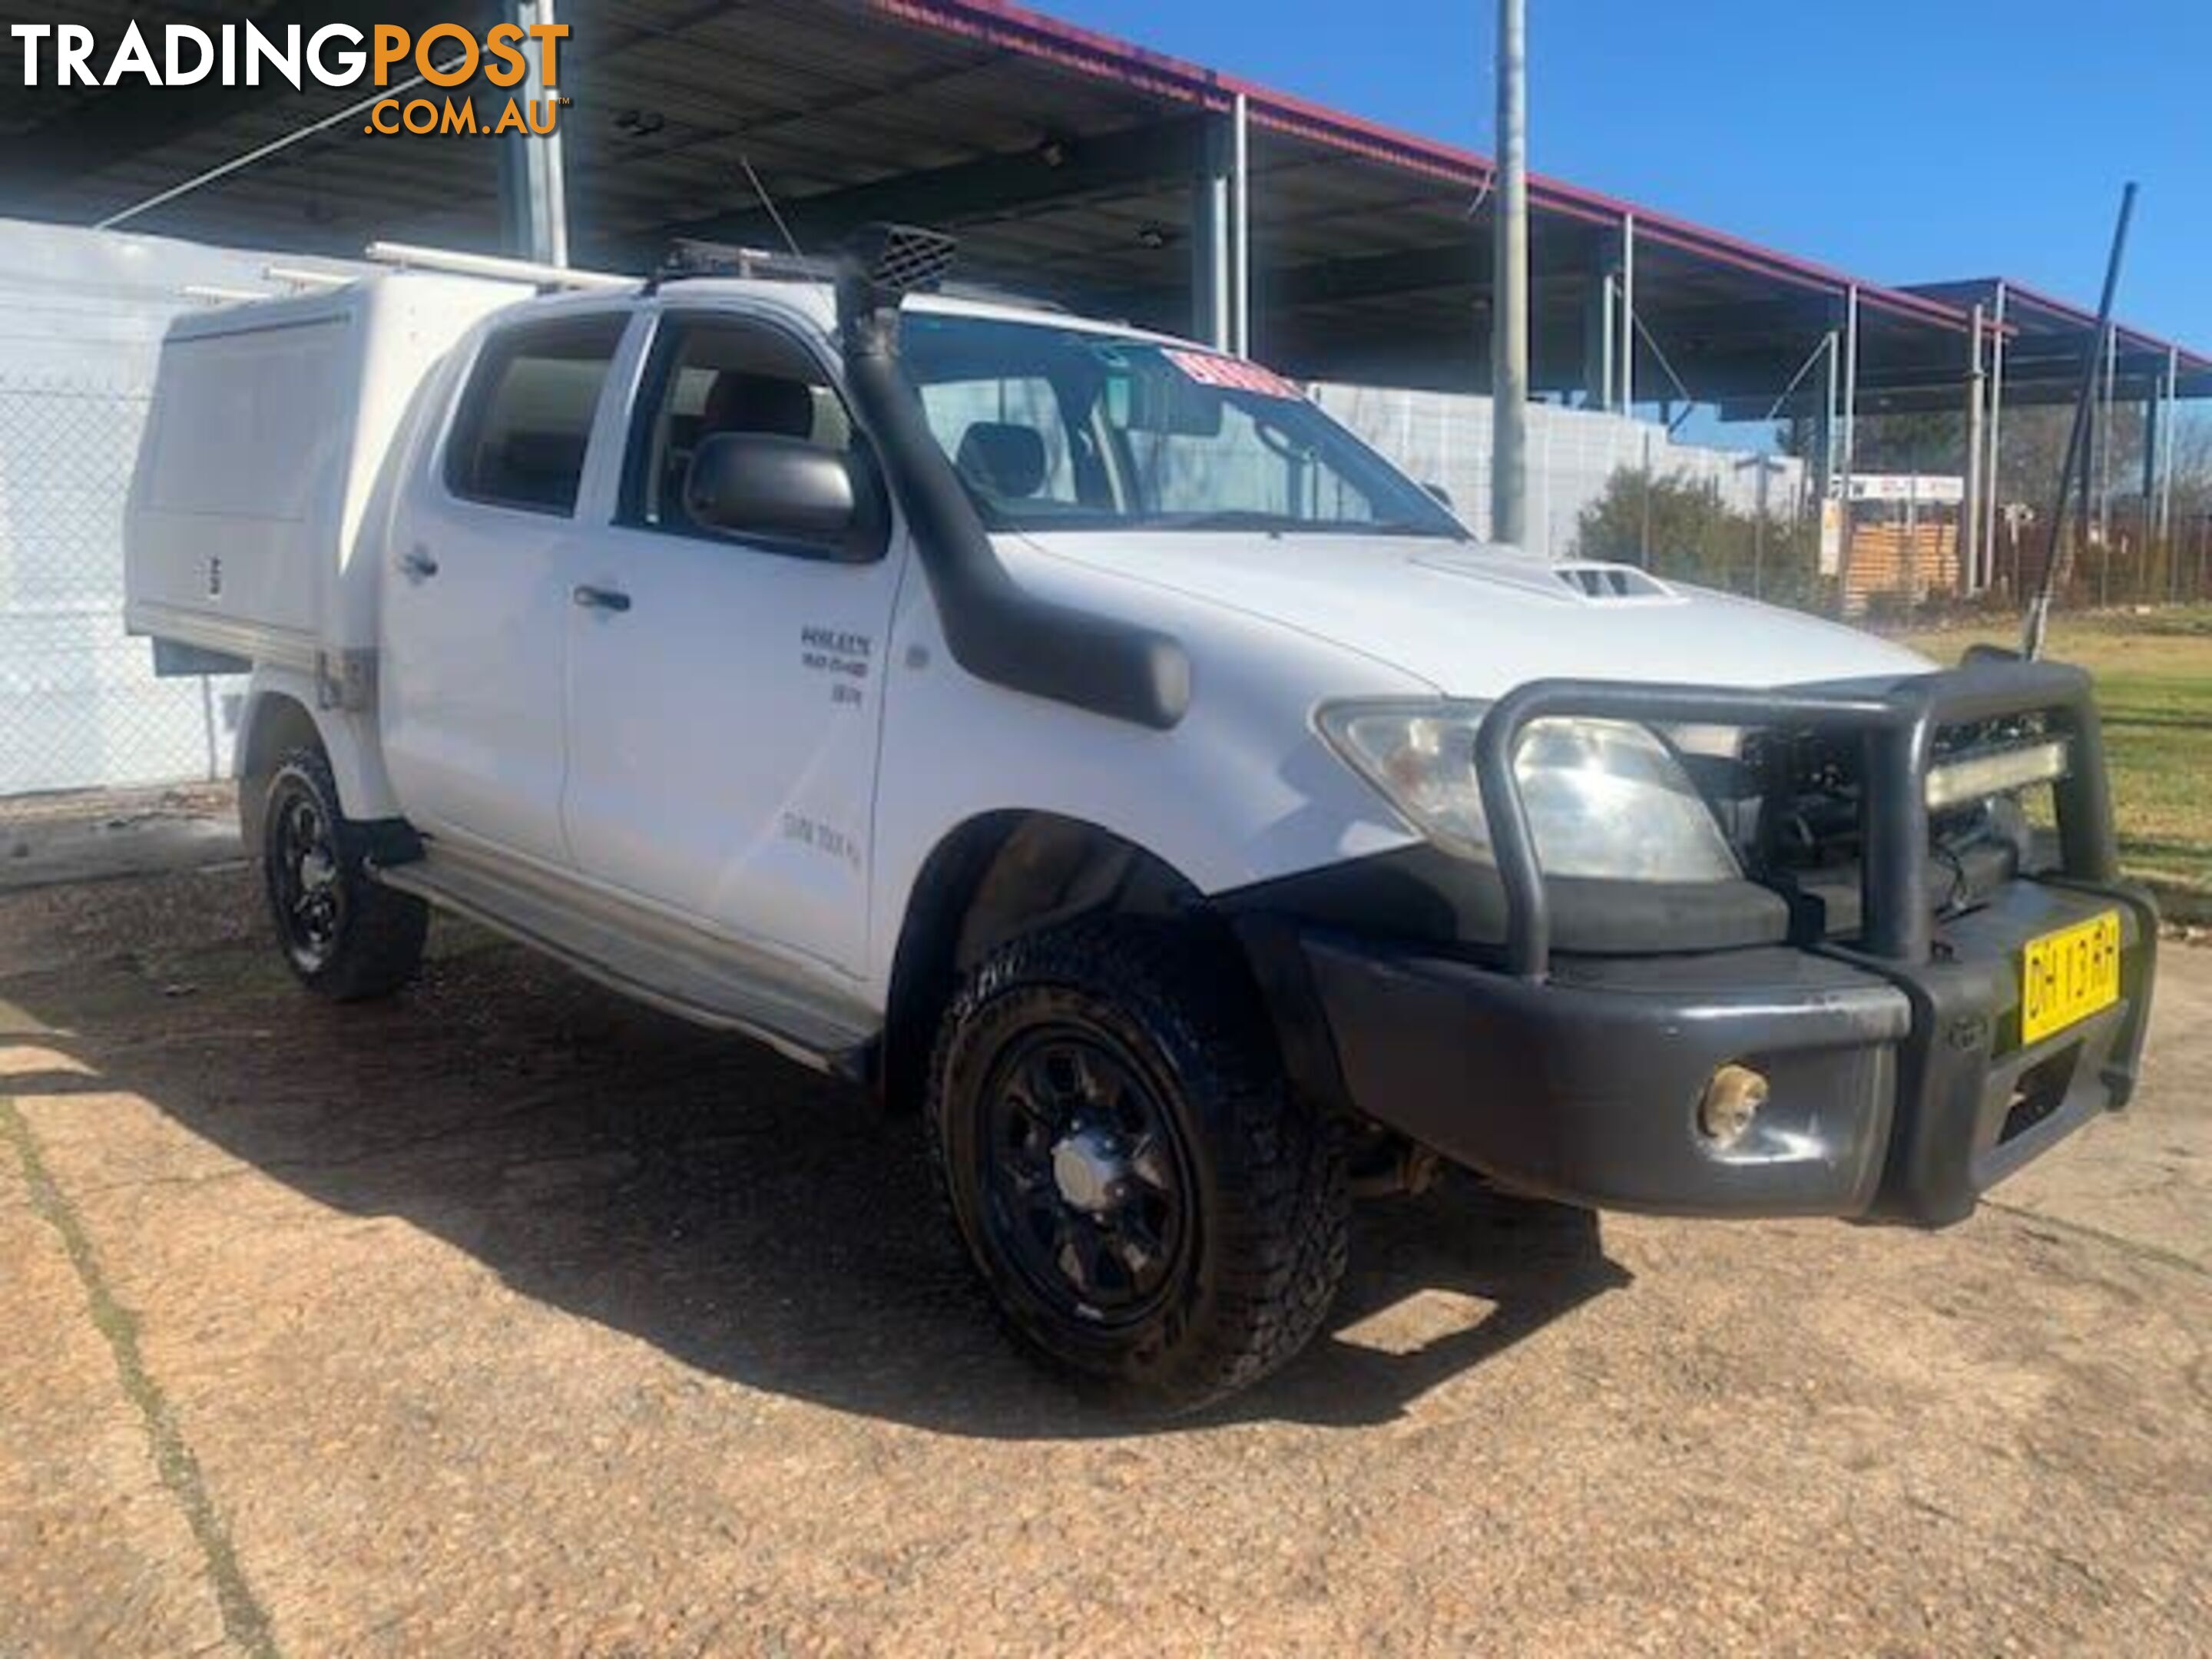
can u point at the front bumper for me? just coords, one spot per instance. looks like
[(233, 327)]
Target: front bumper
[(1900, 1087), (1902, 1093)]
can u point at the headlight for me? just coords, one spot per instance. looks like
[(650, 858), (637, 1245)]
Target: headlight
[(1604, 798)]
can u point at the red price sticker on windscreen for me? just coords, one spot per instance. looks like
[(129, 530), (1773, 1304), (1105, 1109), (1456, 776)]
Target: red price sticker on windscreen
[(1231, 373)]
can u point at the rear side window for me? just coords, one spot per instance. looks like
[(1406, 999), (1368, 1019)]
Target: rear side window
[(526, 419)]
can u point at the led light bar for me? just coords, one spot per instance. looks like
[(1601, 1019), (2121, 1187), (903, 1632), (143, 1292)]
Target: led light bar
[(1996, 772)]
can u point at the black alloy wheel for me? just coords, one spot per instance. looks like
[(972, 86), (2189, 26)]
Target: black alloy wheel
[(1087, 1183), (344, 934), (306, 891), (1153, 1209)]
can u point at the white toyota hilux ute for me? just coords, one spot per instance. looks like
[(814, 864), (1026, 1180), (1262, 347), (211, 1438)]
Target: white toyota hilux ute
[(1072, 732)]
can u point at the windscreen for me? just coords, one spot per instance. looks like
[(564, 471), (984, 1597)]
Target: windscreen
[(1061, 428)]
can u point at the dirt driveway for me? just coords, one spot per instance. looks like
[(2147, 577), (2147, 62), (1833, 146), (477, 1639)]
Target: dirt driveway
[(508, 1319)]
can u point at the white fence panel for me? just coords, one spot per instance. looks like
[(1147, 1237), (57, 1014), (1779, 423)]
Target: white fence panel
[(1443, 438)]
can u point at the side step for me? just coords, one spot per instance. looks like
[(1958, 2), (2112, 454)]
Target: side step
[(645, 956)]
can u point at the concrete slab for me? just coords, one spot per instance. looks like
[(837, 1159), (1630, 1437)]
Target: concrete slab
[(96, 1556), (2144, 1176), (508, 1317), (49, 839)]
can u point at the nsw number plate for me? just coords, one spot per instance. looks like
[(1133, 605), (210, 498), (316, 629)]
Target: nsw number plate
[(2067, 975)]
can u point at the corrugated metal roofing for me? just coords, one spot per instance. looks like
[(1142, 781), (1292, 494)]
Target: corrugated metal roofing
[(1061, 156)]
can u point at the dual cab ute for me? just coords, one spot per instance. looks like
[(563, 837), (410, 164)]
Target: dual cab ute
[(1073, 733)]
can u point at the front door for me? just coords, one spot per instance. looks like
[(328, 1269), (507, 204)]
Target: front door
[(476, 607), (725, 695)]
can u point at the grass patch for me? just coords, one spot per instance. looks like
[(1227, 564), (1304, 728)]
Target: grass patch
[(2155, 685)]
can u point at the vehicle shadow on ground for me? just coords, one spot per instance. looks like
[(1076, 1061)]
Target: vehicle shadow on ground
[(746, 1217)]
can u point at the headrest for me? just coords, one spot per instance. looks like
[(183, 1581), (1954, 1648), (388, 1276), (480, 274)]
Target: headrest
[(742, 402), (1005, 460), (540, 467)]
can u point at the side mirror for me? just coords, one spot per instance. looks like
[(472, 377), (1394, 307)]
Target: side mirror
[(1442, 496), (791, 494)]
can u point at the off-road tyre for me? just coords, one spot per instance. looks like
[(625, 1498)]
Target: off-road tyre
[(1262, 1242), (345, 935)]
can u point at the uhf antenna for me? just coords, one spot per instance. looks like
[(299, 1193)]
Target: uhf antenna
[(2039, 610), (767, 202)]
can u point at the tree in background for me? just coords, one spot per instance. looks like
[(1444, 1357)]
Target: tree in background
[(1674, 526)]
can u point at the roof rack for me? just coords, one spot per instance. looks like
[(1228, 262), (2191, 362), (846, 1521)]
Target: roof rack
[(215, 294), (295, 280), (405, 256), (304, 277), (689, 258), (685, 260)]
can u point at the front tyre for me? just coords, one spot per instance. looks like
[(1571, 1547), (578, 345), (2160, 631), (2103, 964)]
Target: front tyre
[(345, 936), (1152, 1209)]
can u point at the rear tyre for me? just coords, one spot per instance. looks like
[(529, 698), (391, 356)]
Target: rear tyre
[(344, 936), (1153, 1210)]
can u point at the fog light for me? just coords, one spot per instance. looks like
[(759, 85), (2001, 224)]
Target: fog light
[(1732, 1102)]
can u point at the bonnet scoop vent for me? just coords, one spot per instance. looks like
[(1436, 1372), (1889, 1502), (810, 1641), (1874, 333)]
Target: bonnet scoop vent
[(1605, 583)]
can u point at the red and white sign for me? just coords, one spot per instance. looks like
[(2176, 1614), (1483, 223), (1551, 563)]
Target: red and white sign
[(1232, 374)]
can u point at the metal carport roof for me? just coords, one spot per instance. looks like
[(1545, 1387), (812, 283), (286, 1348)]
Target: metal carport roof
[(1063, 160)]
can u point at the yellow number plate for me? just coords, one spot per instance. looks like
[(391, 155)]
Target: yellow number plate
[(2067, 975)]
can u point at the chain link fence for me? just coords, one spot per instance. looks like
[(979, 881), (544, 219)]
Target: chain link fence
[(81, 316), (80, 707)]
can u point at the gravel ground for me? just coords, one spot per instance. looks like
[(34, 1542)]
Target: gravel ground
[(507, 1318)]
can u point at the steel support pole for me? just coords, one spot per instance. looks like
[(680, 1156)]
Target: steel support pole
[(1830, 428), (1240, 225), (1759, 534), (1820, 469), (533, 181), (1508, 330), (1970, 509), (2154, 415), (2106, 445), (1209, 239), (1993, 473), (1612, 388), (1851, 439), (1600, 354), (2168, 432), (1627, 378)]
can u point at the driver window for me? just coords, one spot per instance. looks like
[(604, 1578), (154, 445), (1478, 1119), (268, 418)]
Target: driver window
[(710, 376)]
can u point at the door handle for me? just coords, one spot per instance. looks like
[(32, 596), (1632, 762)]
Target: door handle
[(417, 564), (601, 598)]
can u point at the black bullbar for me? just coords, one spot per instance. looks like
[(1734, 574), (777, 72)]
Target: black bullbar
[(1897, 720), (1886, 1077)]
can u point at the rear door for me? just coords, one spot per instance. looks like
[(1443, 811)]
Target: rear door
[(724, 696), (477, 607)]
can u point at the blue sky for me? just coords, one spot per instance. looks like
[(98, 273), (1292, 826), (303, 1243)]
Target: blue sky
[(1903, 142)]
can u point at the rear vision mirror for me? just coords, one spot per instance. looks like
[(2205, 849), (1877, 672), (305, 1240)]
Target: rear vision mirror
[(1164, 405)]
